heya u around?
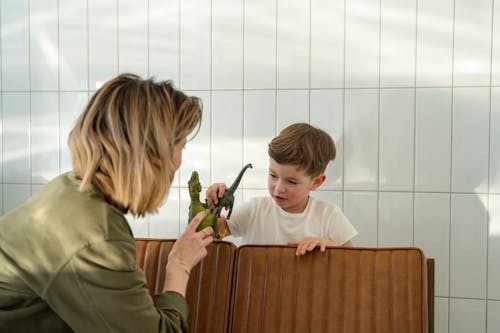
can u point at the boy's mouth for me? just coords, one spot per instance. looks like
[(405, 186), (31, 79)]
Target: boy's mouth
[(279, 199)]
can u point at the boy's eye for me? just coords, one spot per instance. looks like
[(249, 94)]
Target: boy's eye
[(272, 175), (293, 182)]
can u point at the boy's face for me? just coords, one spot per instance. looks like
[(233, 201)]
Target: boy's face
[(290, 186)]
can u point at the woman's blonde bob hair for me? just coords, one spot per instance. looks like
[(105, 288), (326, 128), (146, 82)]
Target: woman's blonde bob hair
[(123, 141)]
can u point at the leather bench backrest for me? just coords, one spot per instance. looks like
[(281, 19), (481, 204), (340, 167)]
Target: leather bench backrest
[(342, 290), (208, 291)]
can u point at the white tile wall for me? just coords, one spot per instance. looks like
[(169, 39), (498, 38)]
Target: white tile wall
[(434, 63), (196, 44), (71, 105), (441, 306), (73, 36), (327, 43), (468, 246), (495, 71), (43, 45), (292, 106), (256, 135), (102, 42), (44, 136), (15, 30), (164, 58), (396, 157), (397, 43), (395, 216), (409, 90), (293, 42), (472, 42), (361, 136), (326, 112), (362, 43), (432, 233), (493, 315), (16, 138), (361, 208), (470, 140), (494, 248), (467, 315), (433, 123), (227, 44), (133, 39), (494, 174), (259, 44), (197, 152), (227, 135)]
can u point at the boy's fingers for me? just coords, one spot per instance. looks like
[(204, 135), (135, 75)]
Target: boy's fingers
[(221, 189)]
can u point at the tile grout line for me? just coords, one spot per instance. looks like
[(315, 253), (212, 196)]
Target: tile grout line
[(276, 70), (282, 89), (30, 168), (378, 119), (211, 148), (148, 39), (415, 121), (451, 166), (309, 62), (243, 132), (343, 106), (179, 45), (1, 114), (58, 87), (488, 214)]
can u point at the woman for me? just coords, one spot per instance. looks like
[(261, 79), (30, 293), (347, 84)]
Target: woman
[(67, 256)]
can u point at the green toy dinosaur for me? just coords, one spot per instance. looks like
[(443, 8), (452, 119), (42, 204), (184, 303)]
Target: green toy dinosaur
[(197, 206)]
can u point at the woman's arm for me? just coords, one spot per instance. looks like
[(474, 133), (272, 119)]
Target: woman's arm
[(187, 251)]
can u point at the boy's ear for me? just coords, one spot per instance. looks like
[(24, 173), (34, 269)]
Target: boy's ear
[(317, 181)]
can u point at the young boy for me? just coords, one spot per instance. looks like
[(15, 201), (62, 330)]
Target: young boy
[(298, 157)]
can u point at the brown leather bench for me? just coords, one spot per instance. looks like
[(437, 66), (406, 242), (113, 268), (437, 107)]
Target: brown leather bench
[(267, 288), (210, 282), (342, 290)]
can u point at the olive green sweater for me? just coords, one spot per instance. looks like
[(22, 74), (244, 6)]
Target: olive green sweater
[(67, 263)]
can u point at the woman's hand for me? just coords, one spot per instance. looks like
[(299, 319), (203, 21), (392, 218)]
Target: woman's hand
[(310, 243), (214, 193), (186, 252)]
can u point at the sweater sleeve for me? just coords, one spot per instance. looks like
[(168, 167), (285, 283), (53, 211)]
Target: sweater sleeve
[(101, 290)]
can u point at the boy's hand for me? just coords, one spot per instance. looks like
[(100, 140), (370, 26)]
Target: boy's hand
[(214, 193), (310, 243)]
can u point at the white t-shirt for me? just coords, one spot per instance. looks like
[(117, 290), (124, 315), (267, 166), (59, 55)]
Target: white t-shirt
[(261, 221)]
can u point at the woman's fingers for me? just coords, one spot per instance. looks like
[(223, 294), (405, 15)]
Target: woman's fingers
[(196, 222)]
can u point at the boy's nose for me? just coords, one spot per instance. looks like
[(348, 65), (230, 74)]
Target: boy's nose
[(280, 188)]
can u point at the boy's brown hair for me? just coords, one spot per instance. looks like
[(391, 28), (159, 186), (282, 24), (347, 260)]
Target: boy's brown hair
[(304, 146), (123, 142)]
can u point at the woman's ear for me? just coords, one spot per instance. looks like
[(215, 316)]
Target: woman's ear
[(317, 181)]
